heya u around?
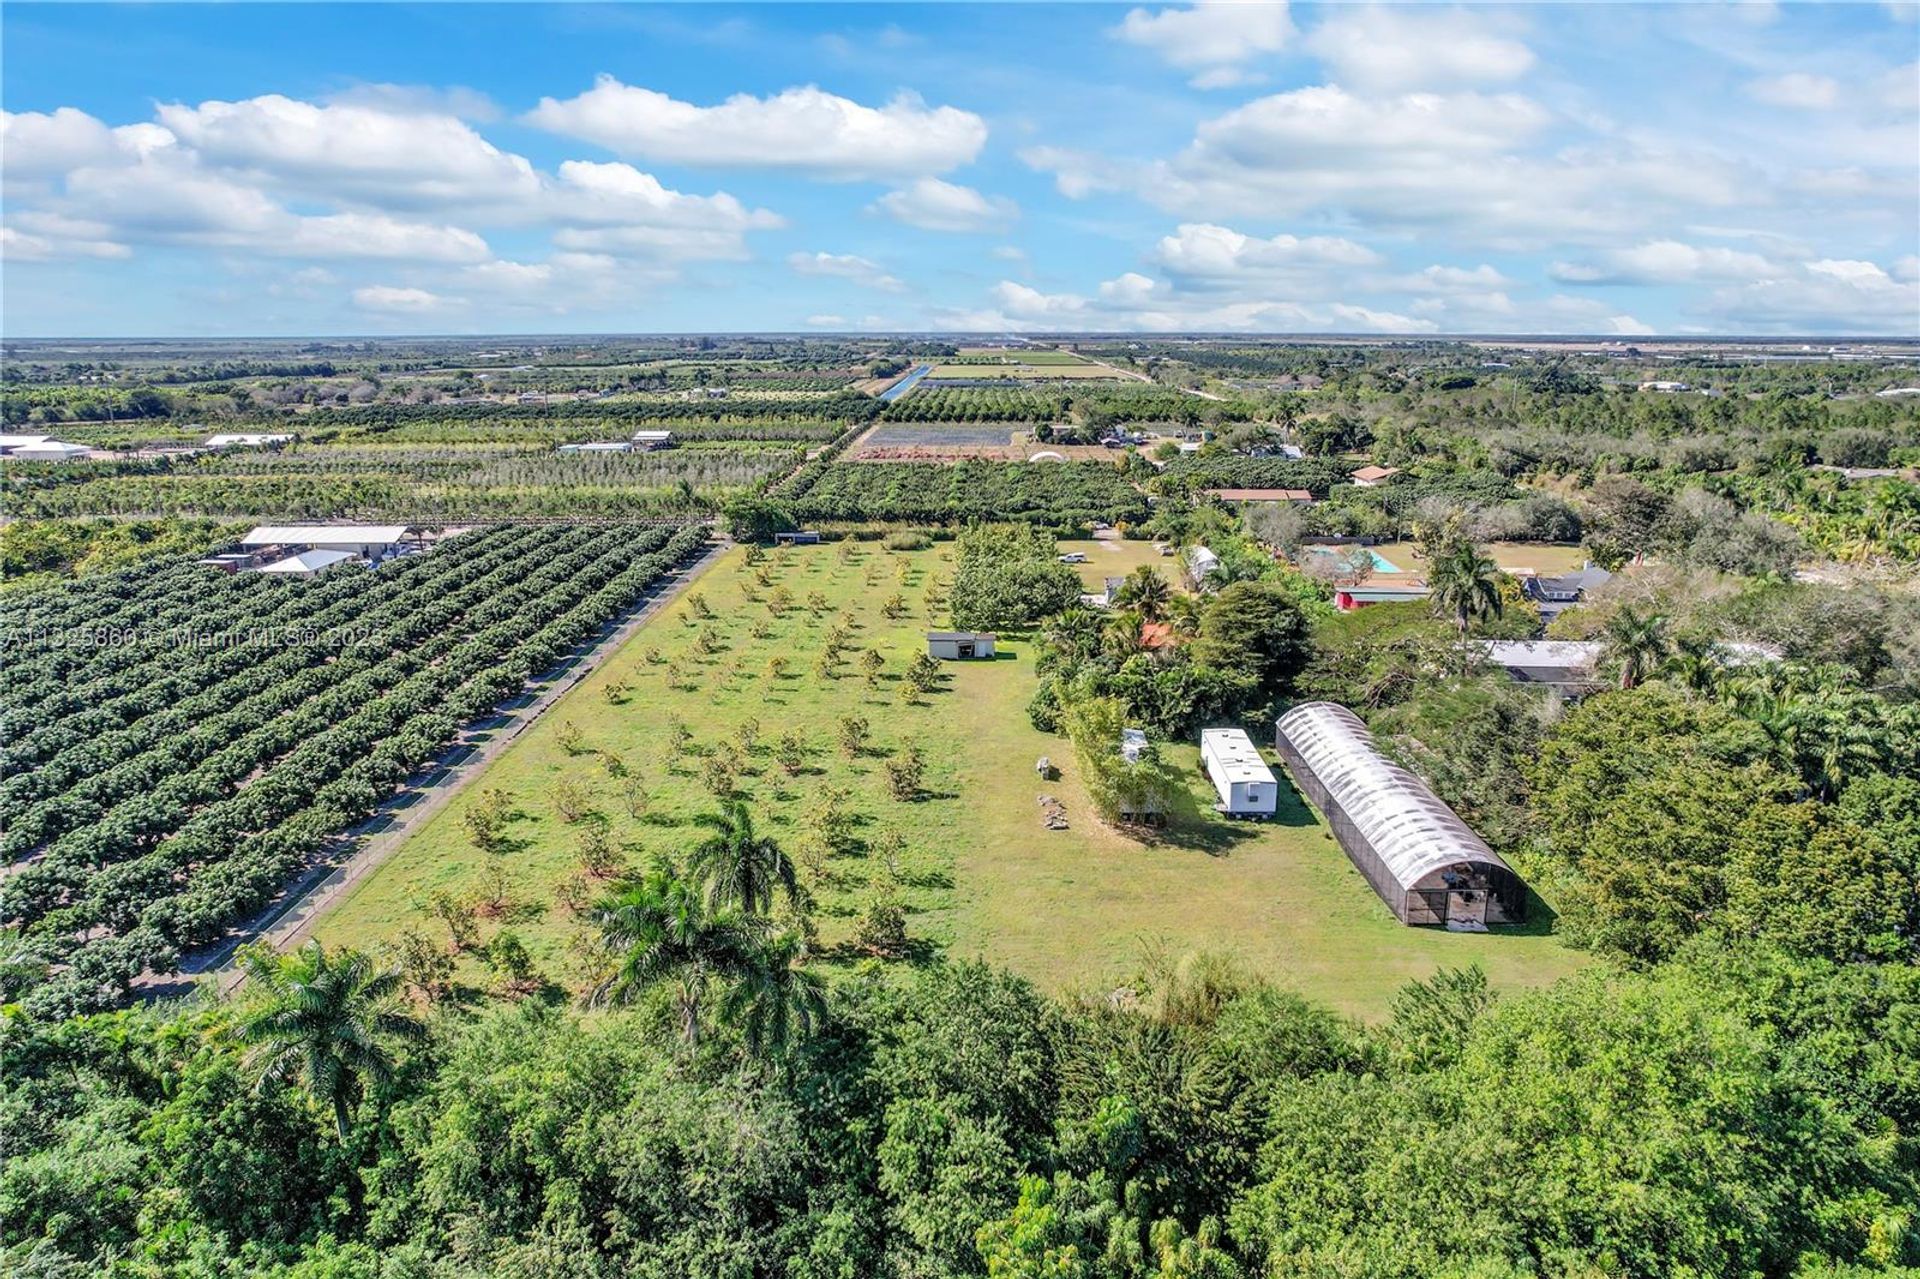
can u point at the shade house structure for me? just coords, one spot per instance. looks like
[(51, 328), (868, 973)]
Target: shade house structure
[(1426, 864)]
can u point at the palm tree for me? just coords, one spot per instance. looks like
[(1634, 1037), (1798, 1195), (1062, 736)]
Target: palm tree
[(322, 1018), (1465, 583), (774, 1001), (1698, 664), (1834, 734), (660, 929), (741, 868), (1183, 615), (1146, 591), (1638, 641), (1121, 637)]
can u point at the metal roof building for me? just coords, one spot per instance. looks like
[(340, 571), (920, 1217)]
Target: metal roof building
[(361, 539), (1426, 864), (307, 563)]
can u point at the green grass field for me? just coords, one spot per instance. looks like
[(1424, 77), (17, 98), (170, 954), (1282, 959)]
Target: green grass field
[(979, 872), (1536, 557)]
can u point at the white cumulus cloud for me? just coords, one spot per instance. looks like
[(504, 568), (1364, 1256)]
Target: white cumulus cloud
[(395, 300), (933, 204), (1663, 262), (1416, 47), (1203, 255), (844, 266), (1214, 38), (803, 130), (362, 151)]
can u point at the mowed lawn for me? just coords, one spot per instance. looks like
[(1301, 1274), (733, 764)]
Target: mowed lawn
[(1513, 557), (980, 873)]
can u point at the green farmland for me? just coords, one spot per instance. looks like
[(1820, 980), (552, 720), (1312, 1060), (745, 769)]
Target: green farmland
[(973, 864)]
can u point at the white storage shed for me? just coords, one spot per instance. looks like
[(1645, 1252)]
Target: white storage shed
[(959, 646)]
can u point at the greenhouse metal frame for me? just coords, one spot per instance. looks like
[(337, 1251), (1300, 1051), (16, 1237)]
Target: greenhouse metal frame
[(1427, 865)]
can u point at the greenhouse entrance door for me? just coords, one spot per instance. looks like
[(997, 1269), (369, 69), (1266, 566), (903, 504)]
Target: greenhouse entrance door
[(1467, 907)]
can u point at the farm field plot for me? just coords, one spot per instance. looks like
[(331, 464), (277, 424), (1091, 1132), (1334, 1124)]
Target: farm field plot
[(1015, 355), (729, 671), (973, 865), (1055, 493), (179, 742), (937, 435), (419, 483), (1034, 372)]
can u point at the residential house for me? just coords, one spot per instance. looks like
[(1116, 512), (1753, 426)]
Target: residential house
[(1557, 594)]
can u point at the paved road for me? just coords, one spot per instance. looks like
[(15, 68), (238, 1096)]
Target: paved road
[(290, 921)]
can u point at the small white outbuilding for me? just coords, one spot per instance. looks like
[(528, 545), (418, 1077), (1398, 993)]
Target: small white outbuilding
[(1246, 785), (959, 646), (39, 448)]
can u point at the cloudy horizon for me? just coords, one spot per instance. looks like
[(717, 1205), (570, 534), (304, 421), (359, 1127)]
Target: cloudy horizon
[(1736, 169)]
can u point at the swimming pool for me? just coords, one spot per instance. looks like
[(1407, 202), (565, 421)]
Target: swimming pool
[(1381, 564)]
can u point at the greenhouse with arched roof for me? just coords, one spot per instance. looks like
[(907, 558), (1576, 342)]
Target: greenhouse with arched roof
[(1426, 864)]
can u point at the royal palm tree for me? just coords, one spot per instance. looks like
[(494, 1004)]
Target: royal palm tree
[(740, 867), (1146, 591), (660, 929), (323, 1019), (1464, 583), (1638, 641), (774, 1001)]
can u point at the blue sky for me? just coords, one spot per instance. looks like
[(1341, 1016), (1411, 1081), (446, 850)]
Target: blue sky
[(367, 168)]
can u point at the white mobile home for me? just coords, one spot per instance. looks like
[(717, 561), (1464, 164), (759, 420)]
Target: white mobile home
[(1246, 785)]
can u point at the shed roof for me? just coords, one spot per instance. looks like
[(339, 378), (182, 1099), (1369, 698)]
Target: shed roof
[(960, 636), (1408, 827), (1375, 472), (1568, 653), (325, 534), (307, 562)]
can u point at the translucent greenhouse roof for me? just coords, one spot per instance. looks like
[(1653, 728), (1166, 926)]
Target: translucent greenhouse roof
[(1409, 829)]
